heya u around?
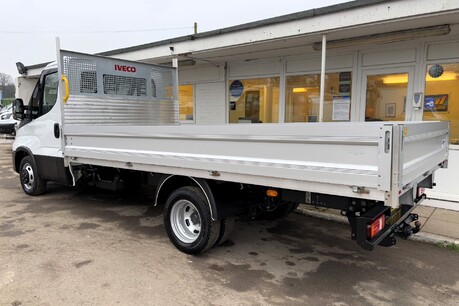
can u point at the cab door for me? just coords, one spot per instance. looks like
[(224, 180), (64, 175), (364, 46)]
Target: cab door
[(39, 132)]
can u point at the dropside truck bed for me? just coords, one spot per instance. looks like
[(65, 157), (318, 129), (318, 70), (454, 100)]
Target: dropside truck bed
[(373, 172)]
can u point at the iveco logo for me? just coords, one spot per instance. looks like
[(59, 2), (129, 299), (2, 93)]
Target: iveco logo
[(125, 68)]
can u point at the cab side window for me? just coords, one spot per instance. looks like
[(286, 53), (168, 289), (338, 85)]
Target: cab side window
[(32, 110), (43, 97), (49, 92)]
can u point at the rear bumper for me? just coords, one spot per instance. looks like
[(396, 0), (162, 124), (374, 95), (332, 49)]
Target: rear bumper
[(393, 228)]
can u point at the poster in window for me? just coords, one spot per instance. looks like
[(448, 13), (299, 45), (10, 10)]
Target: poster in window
[(236, 88), (341, 108), (436, 103), (344, 89), (345, 77), (252, 104), (391, 110)]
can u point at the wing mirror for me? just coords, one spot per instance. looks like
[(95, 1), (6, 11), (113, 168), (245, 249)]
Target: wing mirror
[(18, 109)]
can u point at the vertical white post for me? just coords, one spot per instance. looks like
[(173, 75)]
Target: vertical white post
[(176, 77), (59, 69), (176, 87), (60, 102), (322, 79), (282, 89)]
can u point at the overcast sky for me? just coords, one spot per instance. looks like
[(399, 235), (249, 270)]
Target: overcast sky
[(28, 27)]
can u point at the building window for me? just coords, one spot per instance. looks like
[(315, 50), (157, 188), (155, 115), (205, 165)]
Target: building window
[(386, 97), (302, 97), (441, 99), (254, 100), (186, 102)]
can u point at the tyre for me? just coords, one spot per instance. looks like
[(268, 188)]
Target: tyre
[(188, 221), (227, 226), (280, 211), (31, 182)]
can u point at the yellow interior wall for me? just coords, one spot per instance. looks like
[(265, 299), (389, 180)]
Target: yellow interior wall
[(451, 88), (186, 101), (268, 99)]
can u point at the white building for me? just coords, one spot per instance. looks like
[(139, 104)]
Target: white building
[(385, 60)]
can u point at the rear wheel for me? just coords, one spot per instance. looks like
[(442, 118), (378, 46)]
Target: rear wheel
[(188, 221), (31, 183)]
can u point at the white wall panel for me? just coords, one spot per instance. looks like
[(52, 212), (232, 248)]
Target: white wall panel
[(254, 69), (207, 74), (303, 65), (394, 56), (333, 62), (443, 51), (210, 103), (446, 180)]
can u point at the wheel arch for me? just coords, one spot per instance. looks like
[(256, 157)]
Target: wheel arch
[(168, 184), (20, 153)]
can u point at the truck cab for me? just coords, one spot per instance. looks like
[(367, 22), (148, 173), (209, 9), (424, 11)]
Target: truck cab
[(39, 135)]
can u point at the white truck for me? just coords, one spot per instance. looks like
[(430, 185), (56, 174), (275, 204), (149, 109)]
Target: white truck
[(114, 123)]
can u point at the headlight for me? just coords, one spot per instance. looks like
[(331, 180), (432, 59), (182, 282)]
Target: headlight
[(5, 116)]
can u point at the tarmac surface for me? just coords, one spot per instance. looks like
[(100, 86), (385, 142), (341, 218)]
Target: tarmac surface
[(75, 246)]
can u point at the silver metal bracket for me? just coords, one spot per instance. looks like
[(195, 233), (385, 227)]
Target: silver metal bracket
[(358, 189)]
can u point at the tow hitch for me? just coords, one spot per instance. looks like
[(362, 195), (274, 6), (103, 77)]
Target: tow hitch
[(405, 230), (380, 226)]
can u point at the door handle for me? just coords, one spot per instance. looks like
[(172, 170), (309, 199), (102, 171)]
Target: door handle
[(57, 132)]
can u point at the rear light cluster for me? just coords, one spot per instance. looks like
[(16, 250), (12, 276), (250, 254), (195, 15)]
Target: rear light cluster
[(421, 191), (376, 226)]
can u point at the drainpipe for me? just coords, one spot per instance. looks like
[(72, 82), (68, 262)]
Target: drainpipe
[(322, 79)]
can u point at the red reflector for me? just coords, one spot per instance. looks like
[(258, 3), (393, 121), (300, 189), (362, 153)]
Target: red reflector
[(374, 228)]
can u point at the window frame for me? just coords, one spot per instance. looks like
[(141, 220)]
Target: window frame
[(39, 87)]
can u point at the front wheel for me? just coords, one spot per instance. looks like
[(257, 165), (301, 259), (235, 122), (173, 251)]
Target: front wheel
[(188, 221), (31, 183)]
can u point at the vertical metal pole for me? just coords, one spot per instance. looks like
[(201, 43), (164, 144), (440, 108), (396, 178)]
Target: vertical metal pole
[(59, 68), (60, 102), (176, 77), (195, 28), (282, 90), (322, 78), (227, 94), (176, 87)]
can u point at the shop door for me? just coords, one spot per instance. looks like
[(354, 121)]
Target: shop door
[(386, 94)]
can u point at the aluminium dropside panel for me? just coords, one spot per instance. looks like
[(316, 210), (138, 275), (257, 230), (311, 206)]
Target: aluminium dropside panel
[(322, 157)]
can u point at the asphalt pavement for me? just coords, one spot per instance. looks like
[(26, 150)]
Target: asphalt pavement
[(80, 246)]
